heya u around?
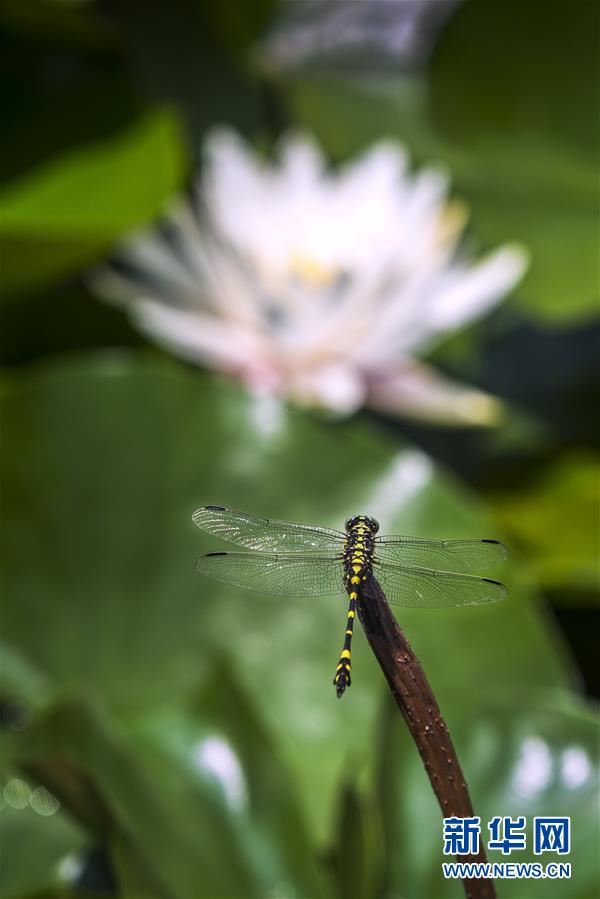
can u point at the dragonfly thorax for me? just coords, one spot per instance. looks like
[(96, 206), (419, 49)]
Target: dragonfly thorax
[(358, 552)]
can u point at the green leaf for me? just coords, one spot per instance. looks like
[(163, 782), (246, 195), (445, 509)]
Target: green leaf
[(555, 523), (39, 851), (533, 755), (22, 679), (64, 117), (494, 69), (197, 802), (131, 869), (104, 463), (71, 209), (357, 855), (519, 187)]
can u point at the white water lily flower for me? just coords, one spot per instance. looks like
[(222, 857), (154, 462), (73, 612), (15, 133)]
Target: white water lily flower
[(323, 286)]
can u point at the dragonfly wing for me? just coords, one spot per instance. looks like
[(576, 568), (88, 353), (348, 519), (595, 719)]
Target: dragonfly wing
[(426, 589), (448, 555), (278, 573), (266, 534)]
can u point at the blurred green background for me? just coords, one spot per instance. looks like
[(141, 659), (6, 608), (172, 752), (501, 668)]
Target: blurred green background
[(167, 737)]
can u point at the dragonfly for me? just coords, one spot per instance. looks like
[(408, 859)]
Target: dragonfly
[(295, 560)]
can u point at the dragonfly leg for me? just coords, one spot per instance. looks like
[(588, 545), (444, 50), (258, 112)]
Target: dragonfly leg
[(342, 677)]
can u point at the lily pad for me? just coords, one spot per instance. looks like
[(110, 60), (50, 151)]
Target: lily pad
[(40, 852), (104, 462), (68, 211), (194, 802)]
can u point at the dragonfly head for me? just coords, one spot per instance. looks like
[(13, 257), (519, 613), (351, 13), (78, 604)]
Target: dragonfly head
[(371, 523)]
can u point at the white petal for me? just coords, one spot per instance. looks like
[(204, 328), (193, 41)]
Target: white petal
[(301, 161), (379, 169), (236, 187), (231, 162), (150, 254), (477, 289), (434, 302), (425, 201), (418, 391), (199, 338)]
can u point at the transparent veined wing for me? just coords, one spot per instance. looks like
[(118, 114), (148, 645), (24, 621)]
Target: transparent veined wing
[(284, 574), (447, 555), (266, 534), (426, 589)]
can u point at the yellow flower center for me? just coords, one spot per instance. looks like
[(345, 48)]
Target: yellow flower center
[(311, 271)]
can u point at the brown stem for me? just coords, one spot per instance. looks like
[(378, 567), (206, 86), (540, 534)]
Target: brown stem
[(421, 712)]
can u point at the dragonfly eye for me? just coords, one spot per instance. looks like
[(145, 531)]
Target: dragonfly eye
[(370, 523)]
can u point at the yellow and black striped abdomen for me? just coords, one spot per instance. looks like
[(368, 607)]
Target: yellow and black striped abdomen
[(358, 555)]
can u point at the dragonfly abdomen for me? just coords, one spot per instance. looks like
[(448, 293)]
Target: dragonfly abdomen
[(358, 556)]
